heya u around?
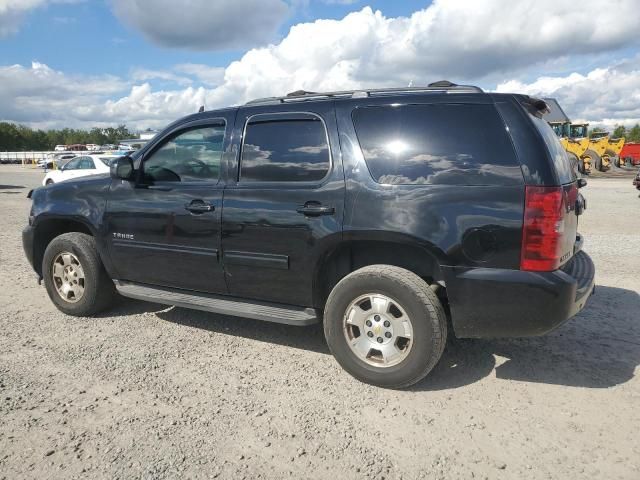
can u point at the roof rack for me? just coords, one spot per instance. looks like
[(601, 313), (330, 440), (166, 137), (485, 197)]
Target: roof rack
[(303, 95)]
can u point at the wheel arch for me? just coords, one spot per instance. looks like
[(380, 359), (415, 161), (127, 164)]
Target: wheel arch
[(51, 227), (352, 255)]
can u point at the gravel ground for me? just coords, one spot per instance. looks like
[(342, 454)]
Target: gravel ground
[(152, 392)]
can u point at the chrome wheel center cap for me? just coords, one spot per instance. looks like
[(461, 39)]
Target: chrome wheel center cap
[(378, 329)]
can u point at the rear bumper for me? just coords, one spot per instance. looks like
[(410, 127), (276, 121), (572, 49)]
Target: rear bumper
[(27, 243), (489, 302)]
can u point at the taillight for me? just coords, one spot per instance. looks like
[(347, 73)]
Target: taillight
[(543, 229)]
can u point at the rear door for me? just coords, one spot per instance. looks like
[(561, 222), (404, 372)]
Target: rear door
[(283, 208)]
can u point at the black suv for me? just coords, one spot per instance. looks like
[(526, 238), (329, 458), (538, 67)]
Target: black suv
[(385, 213)]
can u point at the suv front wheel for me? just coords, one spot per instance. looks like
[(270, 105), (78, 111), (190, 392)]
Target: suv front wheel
[(74, 276), (385, 326)]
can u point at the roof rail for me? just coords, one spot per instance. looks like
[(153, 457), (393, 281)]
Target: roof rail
[(303, 95)]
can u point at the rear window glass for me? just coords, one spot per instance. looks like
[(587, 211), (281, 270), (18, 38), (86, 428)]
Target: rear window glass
[(566, 173), (450, 144)]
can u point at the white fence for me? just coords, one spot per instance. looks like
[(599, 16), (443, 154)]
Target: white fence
[(23, 157)]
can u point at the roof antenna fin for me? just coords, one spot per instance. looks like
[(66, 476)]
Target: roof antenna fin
[(201, 109)]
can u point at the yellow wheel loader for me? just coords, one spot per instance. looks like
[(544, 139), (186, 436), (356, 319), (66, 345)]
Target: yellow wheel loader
[(576, 148), (599, 144), (614, 149), (573, 137)]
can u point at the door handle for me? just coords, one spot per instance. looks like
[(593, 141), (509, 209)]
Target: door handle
[(198, 206), (314, 209)]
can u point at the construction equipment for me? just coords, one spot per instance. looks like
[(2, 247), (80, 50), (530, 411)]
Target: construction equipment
[(615, 147), (630, 153), (573, 137), (598, 146)]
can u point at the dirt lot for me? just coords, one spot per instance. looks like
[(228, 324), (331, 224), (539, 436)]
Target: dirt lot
[(153, 392)]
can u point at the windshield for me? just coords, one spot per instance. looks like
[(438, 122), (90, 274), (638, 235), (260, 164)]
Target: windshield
[(578, 131)]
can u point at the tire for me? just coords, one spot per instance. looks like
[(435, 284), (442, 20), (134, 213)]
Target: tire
[(615, 159), (95, 292), (596, 161), (407, 292)]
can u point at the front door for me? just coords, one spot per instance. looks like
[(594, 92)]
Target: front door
[(164, 228), (284, 211)]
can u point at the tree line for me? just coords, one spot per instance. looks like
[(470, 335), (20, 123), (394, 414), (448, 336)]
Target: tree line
[(20, 138), (630, 134)]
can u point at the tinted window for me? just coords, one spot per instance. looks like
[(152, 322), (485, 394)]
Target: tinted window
[(284, 150), (436, 144), (73, 164), (86, 163), (192, 155), (558, 154)]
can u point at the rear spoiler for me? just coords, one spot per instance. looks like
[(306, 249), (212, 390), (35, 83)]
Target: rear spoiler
[(536, 106)]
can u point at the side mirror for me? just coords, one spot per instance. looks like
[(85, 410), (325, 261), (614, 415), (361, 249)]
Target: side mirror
[(121, 168), (582, 183)]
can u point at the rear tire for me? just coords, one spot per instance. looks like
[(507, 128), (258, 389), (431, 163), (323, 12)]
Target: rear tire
[(596, 161), (397, 332), (75, 279)]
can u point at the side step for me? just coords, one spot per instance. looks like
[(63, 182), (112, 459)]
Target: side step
[(225, 305)]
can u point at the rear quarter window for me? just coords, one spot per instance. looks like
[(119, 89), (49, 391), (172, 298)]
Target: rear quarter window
[(451, 144), (561, 162)]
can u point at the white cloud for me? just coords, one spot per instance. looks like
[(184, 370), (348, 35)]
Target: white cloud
[(203, 24), (41, 95), (605, 96), (13, 12), (144, 74), (459, 40), (209, 76)]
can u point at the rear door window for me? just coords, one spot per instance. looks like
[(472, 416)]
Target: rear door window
[(454, 144), (284, 148)]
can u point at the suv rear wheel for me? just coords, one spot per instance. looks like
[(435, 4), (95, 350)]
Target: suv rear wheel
[(385, 326), (74, 276)]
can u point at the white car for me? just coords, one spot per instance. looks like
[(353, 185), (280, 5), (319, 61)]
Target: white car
[(60, 148), (80, 166)]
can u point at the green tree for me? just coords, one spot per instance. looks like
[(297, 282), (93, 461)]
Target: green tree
[(634, 134), (22, 138), (619, 131)]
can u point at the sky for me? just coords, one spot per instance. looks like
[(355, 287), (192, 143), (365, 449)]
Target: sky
[(145, 63)]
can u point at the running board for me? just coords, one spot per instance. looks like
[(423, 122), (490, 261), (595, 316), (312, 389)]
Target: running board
[(225, 305)]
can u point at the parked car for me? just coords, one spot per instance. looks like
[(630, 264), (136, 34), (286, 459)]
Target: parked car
[(636, 180), (57, 160), (60, 148), (79, 166), (77, 148), (92, 147), (386, 214)]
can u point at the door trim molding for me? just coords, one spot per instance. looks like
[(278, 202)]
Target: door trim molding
[(213, 252), (255, 259)]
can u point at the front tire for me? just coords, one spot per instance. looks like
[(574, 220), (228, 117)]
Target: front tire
[(385, 326), (73, 274)]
